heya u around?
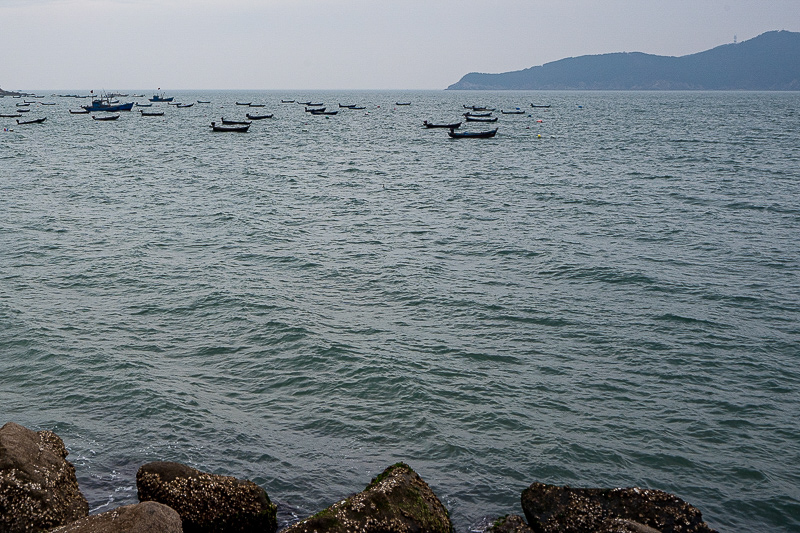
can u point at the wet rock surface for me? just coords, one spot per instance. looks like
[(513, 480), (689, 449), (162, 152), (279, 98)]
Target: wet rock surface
[(147, 517), (396, 501), (207, 502), (38, 487), (551, 509), (510, 524)]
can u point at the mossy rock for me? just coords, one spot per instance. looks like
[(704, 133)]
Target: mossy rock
[(396, 501)]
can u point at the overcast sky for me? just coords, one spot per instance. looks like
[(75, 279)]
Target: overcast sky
[(345, 44)]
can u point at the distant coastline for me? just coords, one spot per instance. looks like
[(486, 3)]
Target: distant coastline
[(769, 62)]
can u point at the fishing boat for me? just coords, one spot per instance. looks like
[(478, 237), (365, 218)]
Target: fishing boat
[(24, 104), (323, 112), (104, 103), (453, 126), (151, 113), (357, 107), (143, 105), (105, 118), (47, 103), (540, 105), (15, 115), (517, 112), (184, 106), (258, 105), (243, 103), (204, 101), (161, 98), (80, 112), (304, 103), (34, 121), (317, 110), (472, 134), (234, 122), (478, 108), (23, 110), (287, 101), (478, 115), (258, 117), (481, 119), (240, 129), (402, 103)]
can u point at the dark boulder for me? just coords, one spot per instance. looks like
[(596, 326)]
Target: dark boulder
[(38, 487), (396, 501), (147, 517), (551, 509), (510, 524), (207, 502)]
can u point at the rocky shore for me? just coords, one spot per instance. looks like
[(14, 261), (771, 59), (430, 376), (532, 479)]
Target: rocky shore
[(39, 492)]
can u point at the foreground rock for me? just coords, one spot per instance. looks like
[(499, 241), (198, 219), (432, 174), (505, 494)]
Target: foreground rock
[(207, 502), (397, 501), (551, 509), (38, 487), (510, 524), (147, 517)]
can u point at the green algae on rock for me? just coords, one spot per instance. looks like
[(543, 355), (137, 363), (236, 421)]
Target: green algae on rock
[(396, 501)]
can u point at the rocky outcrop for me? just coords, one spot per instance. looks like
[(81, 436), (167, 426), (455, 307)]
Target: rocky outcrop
[(207, 502), (397, 501), (510, 524), (38, 487), (551, 509), (147, 517)]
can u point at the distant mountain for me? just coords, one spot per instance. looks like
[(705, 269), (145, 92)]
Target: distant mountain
[(769, 62)]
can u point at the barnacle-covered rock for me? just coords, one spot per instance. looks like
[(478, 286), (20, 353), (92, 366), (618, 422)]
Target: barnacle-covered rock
[(551, 509), (207, 502), (38, 487), (397, 501), (146, 517), (510, 524)]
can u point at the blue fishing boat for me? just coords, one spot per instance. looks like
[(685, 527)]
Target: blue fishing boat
[(161, 98), (104, 103)]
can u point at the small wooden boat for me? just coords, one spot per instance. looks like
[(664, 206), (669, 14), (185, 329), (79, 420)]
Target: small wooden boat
[(472, 134), (174, 103), (481, 119), (234, 122), (34, 121), (258, 117), (258, 105), (47, 103), (25, 104), (357, 107), (81, 112), (240, 129), (517, 112), (106, 118), (243, 103), (540, 105), (478, 108), (23, 110), (15, 115), (144, 105), (305, 103), (184, 106), (316, 105), (204, 101), (287, 101), (453, 126), (479, 115), (317, 110), (323, 112), (402, 103), (152, 113)]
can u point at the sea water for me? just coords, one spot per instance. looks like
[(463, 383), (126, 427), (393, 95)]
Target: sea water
[(605, 294)]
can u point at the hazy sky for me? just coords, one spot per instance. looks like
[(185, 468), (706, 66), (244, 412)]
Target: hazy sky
[(345, 44)]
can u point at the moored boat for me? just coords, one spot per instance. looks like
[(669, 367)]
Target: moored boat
[(402, 103), (540, 105), (151, 113), (516, 112), (472, 134), (104, 103), (81, 112), (481, 119), (234, 122), (455, 125), (9, 115), (240, 129), (258, 117), (243, 103), (34, 121), (161, 98), (105, 118), (479, 115), (184, 106)]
